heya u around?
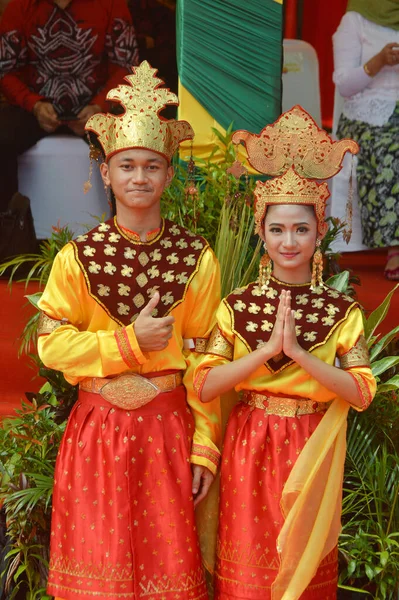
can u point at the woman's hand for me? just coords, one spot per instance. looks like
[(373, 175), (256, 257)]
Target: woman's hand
[(387, 57), (290, 341), (275, 344)]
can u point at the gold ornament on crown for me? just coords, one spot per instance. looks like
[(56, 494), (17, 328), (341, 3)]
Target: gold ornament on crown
[(290, 188), (140, 126), (295, 151), (295, 140)]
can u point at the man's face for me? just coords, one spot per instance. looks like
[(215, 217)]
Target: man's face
[(137, 177)]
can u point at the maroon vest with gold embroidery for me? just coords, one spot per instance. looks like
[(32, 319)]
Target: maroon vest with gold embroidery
[(122, 274), (317, 314)]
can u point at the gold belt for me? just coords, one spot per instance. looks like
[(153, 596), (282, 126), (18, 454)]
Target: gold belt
[(284, 407), (130, 391)]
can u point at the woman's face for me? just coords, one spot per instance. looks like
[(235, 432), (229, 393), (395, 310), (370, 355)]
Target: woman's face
[(290, 234)]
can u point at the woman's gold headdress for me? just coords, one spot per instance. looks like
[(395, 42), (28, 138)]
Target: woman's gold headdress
[(140, 126), (296, 152)]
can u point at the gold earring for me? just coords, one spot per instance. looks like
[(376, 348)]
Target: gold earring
[(317, 268), (265, 270)]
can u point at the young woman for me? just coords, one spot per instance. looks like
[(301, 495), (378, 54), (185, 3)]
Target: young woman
[(276, 341)]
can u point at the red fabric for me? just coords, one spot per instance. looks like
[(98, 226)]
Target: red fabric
[(319, 22), (259, 453), (70, 57), (123, 518)]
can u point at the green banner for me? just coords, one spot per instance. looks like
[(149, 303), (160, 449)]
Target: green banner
[(229, 56)]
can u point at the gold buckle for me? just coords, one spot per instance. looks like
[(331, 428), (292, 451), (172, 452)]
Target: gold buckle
[(129, 391)]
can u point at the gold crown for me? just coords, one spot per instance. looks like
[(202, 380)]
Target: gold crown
[(290, 188), (140, 126), (295, 140)]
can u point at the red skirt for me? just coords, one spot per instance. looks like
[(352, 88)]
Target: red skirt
[(123, 522), (258, 455)]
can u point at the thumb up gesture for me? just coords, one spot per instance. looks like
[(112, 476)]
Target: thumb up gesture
[(152, 334)]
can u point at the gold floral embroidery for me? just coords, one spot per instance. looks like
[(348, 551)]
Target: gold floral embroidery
[(239, 305), (123, 309), (219, 345), (89, 251), (94, 267), (123, 290), (269, 309), (205, 452), (310, 336), (172, 259), (312, 317), (103, 290), (109, 250), (302, 299), (266, 326), (358, 356), (47, 325)]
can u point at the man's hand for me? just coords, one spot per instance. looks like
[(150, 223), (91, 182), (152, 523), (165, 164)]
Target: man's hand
[(202, 479), (78, 126), (46, 116), (153, 334)]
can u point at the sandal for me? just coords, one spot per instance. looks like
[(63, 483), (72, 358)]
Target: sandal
[(391, 271)]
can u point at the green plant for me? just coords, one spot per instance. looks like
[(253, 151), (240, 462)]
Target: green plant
[(369, 544), (29, 443)]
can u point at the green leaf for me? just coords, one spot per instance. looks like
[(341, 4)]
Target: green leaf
[(340, 281), (369, 571), (21, 569), (384, 556), (390, 385), (382, 343), (351, 567), (382, 365), (378, 315)]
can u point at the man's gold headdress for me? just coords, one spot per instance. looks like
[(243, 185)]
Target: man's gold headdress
[(296, 152), (140, 126)]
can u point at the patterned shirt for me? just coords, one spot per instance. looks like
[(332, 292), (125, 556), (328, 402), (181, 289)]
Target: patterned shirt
[(70, 57)]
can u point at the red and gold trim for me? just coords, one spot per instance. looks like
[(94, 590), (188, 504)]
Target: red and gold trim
[(364, 391), (205, 452), (125, 349)]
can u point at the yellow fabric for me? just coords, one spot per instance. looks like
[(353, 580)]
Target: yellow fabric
[(293, 381), (86, 346), (205, 139), (311, 500)]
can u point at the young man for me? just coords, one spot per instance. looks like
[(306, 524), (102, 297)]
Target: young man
[(126, 311)]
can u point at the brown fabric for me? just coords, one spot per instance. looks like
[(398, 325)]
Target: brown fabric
[(317, 314), (122, 274)]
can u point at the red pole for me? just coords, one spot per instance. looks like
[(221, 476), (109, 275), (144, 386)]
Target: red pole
[(291, 18)]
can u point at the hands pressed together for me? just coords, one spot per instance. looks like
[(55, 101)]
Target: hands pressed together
[(283, 337)]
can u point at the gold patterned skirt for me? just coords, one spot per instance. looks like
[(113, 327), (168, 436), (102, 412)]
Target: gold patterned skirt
[(123, 521), (259, 452)]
